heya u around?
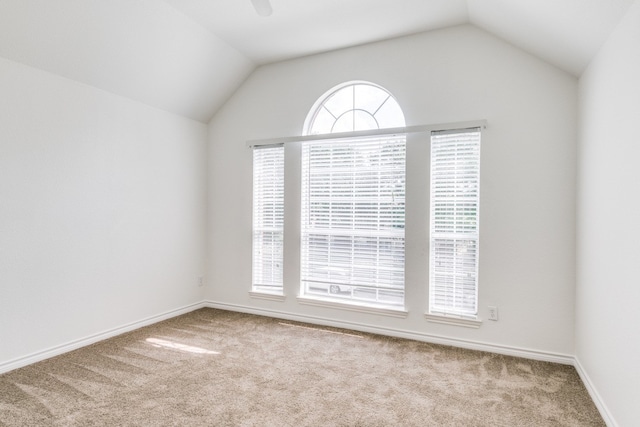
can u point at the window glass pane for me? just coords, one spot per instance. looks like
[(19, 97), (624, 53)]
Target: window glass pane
[(344, 123), (322, 122), (364, 121), (455, 181), (390, 115), (268, 218), (353, 202), (340, 102), (369, 98)]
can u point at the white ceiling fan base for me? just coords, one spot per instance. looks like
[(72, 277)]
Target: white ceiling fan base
[(262, 7)]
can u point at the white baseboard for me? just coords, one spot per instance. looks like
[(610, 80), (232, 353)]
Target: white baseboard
[(399, 333), (73, 345), (595, 396)]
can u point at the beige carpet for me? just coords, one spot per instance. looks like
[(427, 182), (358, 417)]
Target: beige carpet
[(218, 368)]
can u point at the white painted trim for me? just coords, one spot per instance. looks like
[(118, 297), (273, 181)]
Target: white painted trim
[(365, 133), (83, 342), (595, 396), (267, 296), (453, 320), (526, 353), (359, 308)]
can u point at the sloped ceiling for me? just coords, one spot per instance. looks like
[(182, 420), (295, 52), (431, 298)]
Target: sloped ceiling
[(188, 56), (566, 33), (145, 50), (304, 27)]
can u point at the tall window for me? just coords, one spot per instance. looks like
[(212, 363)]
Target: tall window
[(268, 218), (455, 196), (353, 200)]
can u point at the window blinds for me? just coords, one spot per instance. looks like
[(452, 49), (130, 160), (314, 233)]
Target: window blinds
[(268, 218), (455, 185), (353, 211)]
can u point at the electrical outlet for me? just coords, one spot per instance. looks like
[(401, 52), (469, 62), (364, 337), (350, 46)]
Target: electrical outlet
[(493, 312), (200, 281)]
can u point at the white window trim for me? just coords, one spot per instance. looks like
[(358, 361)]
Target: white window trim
[(375, 132), (267, 296), (450, 319), (350, 306)]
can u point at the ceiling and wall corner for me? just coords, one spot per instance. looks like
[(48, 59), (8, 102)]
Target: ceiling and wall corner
[(188, 56), (607, 294), (566, 33), (301, 28), (143, 50)]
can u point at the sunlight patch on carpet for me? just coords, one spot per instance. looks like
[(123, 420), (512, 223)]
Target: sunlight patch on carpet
[(156, 342)]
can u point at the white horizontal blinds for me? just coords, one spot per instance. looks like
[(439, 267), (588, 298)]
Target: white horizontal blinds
[(353, 209), (455, 192), (268, 218)]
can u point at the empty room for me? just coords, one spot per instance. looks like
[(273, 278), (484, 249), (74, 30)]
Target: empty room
[(319, 213)]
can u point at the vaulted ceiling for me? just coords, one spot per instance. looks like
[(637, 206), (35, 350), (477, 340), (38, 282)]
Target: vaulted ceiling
[(188, 56)]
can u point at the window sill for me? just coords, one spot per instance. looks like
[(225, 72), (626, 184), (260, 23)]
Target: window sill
[(360, 308), (449, 319), (267, 296)]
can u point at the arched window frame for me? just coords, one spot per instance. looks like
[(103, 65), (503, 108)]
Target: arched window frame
[(387, 104), (353, 192)]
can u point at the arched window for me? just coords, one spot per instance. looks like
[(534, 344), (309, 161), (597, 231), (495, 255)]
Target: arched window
[(353, 198), (354, 106)]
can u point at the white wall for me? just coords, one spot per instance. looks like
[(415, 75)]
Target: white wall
[(608, 261), (527, 251), (102, 211)]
